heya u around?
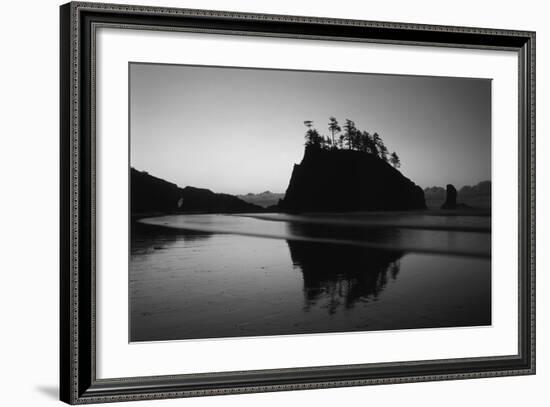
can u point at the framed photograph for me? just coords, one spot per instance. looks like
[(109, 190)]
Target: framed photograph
[(255, 203)]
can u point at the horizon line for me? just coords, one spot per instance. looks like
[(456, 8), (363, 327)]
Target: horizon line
[(258, 193)]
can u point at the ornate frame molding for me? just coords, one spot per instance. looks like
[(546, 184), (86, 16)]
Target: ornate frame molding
[(79, 21)]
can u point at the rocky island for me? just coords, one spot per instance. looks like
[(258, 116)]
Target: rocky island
[(351, 173)]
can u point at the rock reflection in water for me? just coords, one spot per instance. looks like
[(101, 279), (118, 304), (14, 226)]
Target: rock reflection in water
[(342, 275), (148, 238)]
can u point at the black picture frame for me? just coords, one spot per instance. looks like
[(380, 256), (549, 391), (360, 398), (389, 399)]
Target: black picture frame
[(78, 382)]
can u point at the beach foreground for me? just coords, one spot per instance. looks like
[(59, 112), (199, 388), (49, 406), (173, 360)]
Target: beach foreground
[(211, 276)]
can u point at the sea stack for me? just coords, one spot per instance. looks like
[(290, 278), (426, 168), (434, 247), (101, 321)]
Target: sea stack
[(450, 201), (330, 180)]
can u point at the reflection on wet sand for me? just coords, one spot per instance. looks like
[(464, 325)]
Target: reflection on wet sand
[(342, 275), (145, 239), (187, 284)]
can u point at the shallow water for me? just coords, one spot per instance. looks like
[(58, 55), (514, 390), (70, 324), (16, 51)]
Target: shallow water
[(206, 276)]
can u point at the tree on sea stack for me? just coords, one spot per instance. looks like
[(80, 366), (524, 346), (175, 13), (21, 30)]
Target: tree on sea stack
[(394, 160), (366, 143), (341, 142), (334, 128), (351, 139), (350, 133), (381, 147), (313, 138)]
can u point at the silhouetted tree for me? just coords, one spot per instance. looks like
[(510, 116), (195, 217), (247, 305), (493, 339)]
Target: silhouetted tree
[(334, 128), (358, 142), (366, 143), (394, 160), (313, 138), (384, 153), (341, 141), (381, 147), (350, 133), (352, 138)]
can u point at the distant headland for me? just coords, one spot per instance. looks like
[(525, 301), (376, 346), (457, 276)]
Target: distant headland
[(150, 195)]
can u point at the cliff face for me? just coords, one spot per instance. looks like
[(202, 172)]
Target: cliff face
[(150, 194), (346, 180)]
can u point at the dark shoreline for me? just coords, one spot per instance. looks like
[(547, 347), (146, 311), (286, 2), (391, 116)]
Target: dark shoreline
[(341, 214)]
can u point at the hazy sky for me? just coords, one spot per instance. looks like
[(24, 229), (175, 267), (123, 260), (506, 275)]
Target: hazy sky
[(237, 130)]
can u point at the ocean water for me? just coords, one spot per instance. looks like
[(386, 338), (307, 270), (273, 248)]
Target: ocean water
[(211, 276)]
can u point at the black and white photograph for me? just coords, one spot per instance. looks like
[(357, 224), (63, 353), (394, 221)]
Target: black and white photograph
[(285, 202), (275, 203)]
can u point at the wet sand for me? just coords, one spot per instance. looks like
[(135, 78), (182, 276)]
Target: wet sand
[(212, 276)]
